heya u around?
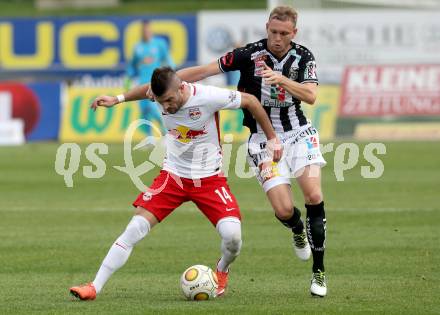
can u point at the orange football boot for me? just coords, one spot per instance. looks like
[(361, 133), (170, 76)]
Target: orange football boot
[(84, 292), (222, 278)]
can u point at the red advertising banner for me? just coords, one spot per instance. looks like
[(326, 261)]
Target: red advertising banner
[(390, 90)]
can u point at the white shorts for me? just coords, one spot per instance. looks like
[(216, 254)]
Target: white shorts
[(301, 148)]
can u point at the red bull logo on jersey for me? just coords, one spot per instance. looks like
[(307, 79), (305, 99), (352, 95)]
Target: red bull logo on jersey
[(185, 135), (195, 113), (312, 143)]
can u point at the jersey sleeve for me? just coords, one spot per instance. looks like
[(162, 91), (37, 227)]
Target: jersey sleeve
[(234, 60), (218, 98), (307, 69)]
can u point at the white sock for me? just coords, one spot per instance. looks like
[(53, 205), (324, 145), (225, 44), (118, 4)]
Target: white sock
[(230, 232), (121, 249)]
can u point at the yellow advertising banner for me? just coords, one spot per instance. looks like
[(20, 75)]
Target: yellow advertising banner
[(80, 124), (323, 114)]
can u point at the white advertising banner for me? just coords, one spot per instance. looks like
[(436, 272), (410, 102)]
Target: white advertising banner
[(11, 130), (336, 37)]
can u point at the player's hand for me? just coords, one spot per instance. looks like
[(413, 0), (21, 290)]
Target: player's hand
[(105, 101), (270, 76), (275, 149)]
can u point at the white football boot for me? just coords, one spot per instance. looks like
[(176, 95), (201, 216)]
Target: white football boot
[(318, 286), (301, 246)]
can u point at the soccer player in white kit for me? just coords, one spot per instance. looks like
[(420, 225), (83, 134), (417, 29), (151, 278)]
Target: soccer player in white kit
[(191, 171)]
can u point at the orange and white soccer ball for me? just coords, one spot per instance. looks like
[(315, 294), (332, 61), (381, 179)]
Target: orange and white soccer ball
[(199, 283)]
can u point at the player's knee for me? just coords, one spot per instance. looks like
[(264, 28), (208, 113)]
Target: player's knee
[(284, 212), (136, 230), (233, 243), (313, 197)]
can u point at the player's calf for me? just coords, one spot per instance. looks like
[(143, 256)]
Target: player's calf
[(116, 257), (300, 243), (230, 232), (316, 230)]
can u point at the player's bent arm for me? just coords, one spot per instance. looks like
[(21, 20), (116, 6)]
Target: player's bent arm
[(305, 92), (251, 103), (197, 73)]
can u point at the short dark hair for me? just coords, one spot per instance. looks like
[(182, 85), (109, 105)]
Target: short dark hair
[(162, 79)]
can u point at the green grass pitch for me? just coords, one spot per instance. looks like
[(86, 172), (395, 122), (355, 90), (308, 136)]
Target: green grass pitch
[(383, 240)]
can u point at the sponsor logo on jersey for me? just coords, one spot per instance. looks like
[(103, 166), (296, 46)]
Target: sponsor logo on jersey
[(259, 59), (296, 137), (261, 54), (294, 68), (228, 59), (185, 135), (195, 113), (276, 103), (278, 93), (312, 143), (310, 72), (293, 73), (268, 170)]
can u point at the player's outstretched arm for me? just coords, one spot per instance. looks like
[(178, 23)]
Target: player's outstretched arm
[(138, 93), (197, 73), (252, 104)]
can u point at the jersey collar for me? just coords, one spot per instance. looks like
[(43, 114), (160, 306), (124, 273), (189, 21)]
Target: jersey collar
[(278, 59)]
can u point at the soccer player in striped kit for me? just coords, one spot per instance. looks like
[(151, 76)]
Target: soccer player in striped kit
[(282, 74)]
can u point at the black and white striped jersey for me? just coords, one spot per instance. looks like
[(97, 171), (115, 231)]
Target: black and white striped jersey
[(283, 109)]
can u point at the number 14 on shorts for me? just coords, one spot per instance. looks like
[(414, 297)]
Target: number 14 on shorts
[(224, 195)]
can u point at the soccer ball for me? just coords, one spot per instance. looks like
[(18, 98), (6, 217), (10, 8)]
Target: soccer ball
[(199, 283)]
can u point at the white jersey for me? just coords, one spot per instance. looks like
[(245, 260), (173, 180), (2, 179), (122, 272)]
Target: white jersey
[(193, 140)]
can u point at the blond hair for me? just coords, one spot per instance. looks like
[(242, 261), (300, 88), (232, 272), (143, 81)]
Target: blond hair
[(284, 13)]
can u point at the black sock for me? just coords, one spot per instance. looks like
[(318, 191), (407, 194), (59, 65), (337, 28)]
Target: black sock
[(316, 234), (294, 223)]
